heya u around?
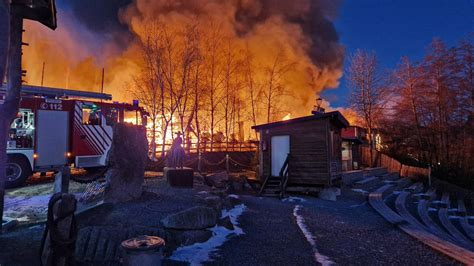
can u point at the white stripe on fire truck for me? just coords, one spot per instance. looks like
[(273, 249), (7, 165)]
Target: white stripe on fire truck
[(101, 135), (92, 135), (107, 143), (89, 136), (88, 140)]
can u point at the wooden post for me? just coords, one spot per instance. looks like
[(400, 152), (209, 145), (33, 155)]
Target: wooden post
[(227, 163), (61, 180), (429, 175), (199, 162)]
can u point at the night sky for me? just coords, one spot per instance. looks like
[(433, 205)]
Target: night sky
[(396, 28)]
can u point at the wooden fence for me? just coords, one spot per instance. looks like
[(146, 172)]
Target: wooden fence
[(216, 147), (382, 160)]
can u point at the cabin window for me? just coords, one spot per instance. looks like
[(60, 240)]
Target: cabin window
[(91, 115)]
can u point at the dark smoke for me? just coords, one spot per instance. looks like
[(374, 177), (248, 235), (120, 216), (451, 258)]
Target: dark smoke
[(312, 16)]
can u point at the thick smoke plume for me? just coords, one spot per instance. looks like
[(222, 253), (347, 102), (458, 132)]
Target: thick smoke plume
[(96, 34)]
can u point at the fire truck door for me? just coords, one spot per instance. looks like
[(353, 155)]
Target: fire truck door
[(52, 138)]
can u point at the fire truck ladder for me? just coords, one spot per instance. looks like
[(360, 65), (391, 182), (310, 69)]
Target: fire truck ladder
[(59, 93)]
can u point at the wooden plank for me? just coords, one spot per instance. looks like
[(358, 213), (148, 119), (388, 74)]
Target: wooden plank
[(468, 228), (400, 205), (453, 231), (456, 252)]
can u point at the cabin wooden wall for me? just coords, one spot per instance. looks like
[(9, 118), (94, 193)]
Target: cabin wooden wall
[(309, 162)]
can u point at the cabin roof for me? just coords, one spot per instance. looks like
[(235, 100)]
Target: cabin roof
[(335, 116)]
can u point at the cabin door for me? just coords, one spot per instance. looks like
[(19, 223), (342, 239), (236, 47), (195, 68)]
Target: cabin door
[(280, 149)]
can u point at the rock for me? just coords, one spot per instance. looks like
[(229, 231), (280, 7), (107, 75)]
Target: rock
[(191, 219), (328, 194), (179, 177), (226, 222), (195, 236), (218, 179), (214, 202), (127, 159), (233, 199)]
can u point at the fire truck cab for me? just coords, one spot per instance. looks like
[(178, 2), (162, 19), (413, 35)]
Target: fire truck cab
[(57, 127)]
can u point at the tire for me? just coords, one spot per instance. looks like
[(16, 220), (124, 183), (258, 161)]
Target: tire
[(18, 171)]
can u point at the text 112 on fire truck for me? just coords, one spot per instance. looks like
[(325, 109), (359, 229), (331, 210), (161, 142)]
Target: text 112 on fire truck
[(58, 127)]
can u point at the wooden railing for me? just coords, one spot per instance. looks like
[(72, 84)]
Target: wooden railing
[(284, 176), (245, 146)]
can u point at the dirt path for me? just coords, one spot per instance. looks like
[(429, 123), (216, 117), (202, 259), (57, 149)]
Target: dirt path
[(346, 232)]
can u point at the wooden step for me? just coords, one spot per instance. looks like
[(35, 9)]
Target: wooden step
[(468, 228), (448, 225), (366, 182)]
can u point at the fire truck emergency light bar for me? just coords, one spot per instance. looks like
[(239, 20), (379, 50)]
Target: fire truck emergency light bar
[(59, 93)]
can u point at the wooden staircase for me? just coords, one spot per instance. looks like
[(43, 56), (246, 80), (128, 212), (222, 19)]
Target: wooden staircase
[(275, 186)]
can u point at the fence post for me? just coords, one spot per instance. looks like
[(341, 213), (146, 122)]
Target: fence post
[(429, 175), (227, 162), (199, 162)]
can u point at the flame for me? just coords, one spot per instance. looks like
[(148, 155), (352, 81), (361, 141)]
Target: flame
[(74, 55), (287, 117)]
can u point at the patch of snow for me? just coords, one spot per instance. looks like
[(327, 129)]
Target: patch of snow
[(199, 253), (437, 202), (23, 208), (453, 210), (454, 217), (396, 192), (233, 196), (320, 258), (203, 192), (293, 199), (470, 217), (432, 209), (358, 190)]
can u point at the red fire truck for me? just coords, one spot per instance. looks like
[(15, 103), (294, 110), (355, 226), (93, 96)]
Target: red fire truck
[(57, 127)]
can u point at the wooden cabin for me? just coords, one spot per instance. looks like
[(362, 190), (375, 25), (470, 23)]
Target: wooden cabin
[(312, 145)]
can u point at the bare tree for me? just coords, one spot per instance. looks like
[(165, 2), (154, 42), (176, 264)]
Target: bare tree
[(408, 89), (252, 87), (213, 77), (366, 97), (273, 89)]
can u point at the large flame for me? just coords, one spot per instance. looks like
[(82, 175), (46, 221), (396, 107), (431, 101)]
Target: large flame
[(74, 55)]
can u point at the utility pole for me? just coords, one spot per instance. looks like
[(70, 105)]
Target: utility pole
[(9, 108), (42, 74)]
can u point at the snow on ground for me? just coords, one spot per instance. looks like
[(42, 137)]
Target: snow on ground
[(358, 190), (293, 199), (324, 260), (28, 209), (198, 253)]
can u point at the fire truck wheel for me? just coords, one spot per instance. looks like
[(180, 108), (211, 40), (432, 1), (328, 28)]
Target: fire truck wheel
[(18, 170)]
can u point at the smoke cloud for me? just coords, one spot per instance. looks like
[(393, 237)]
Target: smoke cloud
[(95, 34)]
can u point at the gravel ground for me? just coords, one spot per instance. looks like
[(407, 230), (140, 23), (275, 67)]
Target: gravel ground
[(348, 231)]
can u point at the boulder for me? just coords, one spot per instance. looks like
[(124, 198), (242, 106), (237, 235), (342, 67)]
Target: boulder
[(179, 177), (191, 219), (233, 199), (328, 194), (218, 179), (214, 202), (127, 160)]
